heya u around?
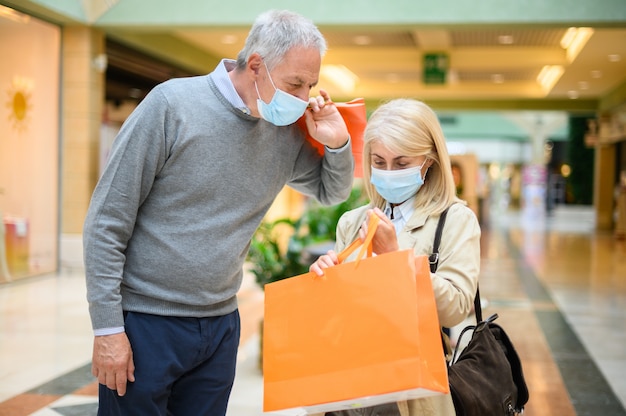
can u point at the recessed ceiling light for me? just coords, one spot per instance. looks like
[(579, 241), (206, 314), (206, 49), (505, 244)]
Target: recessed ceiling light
[(549, 75), (497, 78), (583, 85), (567, 38), (392, 78), (505, 39), (229, 39), (572, 94), (596, 74), (574, 40), (340, 76), (362, 40), (453, 76), (614, 57)]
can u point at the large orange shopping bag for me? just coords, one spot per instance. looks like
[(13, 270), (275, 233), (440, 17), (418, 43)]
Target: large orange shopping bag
[(353, 338)]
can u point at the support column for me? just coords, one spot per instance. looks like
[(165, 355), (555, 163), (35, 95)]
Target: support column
[(83, 86), (604, 185)]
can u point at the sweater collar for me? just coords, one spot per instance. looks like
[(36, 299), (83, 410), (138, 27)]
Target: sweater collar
[(225, 85)]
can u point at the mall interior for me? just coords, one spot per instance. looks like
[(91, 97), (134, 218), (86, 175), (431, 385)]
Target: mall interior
[(532, 100)]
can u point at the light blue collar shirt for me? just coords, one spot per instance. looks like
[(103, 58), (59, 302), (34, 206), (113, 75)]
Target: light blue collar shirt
[(225, 85), (400, 214)]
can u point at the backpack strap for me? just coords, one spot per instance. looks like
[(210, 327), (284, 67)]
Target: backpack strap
[(478, 309), (433, 259)]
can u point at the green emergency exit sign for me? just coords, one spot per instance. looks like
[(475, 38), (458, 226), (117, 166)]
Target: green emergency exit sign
[(436, 67)]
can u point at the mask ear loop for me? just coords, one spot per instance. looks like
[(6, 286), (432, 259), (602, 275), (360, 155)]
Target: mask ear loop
[(269, 75), (427, 167), (270, 78)]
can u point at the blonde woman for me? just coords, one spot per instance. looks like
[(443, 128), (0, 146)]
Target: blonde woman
[(408, 178)]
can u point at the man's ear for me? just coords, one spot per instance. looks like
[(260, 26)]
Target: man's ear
[(254, 63)]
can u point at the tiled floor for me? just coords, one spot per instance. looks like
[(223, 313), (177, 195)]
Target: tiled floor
[(558, 286)]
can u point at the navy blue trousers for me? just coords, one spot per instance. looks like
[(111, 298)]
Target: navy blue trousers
[(183, 366)]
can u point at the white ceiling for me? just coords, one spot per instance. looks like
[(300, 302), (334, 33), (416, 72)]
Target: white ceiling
[(484, 73), (391, 64)]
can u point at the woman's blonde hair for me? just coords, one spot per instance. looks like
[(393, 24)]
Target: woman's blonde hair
[(409, 127)]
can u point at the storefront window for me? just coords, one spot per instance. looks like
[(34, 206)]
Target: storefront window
[(29, 145)]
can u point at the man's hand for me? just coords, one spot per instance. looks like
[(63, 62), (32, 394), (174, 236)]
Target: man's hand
[(324, 122), (112, 362)]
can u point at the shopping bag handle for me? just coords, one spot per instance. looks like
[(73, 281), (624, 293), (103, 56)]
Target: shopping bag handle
[(365, 245)]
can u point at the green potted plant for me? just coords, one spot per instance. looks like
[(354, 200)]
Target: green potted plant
[(269, 262)]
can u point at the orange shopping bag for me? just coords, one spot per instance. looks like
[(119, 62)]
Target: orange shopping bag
[(353, 338), (355, 116)]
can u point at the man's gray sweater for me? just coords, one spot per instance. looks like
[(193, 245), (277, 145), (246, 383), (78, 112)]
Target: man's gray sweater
[(188, 181)]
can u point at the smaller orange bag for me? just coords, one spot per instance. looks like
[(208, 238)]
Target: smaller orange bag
[(355, 116), (365, 333)]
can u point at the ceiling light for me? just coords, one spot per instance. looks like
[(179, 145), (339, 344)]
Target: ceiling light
[(497, 78), (574, 40), (549, 75), (568, 37), (572, 94), (614, 57), (392, 78), (505, 39), (583, 85), (453, 76), (14, 15), (362, 40), (229, 39), (596, 74), (340, 76)]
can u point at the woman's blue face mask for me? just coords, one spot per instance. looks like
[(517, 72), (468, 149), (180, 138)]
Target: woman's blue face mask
[(396, 186), (283, 109)]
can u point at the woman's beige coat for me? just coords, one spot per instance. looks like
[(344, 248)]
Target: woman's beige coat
[(454, 283)]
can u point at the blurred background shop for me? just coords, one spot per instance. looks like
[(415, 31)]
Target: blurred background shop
[(531, 96)]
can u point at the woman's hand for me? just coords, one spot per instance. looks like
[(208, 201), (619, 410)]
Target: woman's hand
[(385, 239), (327, 260)]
